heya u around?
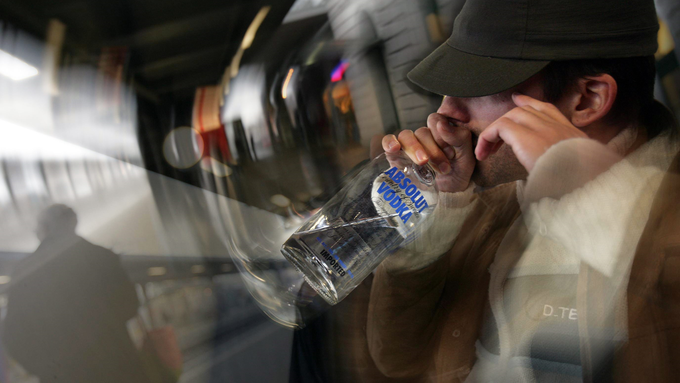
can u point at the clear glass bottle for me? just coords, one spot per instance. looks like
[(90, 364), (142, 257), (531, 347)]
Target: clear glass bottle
[(371, 217)]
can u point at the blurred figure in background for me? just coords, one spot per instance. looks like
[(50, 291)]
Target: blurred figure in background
[(68, 307)]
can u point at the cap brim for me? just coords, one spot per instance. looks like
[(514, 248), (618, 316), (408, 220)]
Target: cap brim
[(451, 72)]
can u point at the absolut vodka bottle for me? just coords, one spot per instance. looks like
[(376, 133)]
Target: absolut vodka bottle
[(371, 217)]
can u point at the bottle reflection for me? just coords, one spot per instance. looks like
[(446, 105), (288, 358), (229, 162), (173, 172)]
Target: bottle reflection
[(68, 306)]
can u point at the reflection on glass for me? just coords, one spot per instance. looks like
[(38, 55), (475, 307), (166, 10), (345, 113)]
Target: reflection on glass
[(183, 147)]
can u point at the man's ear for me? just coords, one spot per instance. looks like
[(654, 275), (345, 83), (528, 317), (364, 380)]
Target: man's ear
[(591, 99)]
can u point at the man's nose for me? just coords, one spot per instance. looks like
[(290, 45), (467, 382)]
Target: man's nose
[(454, 108)]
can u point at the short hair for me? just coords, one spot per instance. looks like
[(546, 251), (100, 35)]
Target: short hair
[(634, 76), (57, 217)]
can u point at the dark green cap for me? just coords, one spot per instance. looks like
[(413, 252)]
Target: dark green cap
[(499, 44)]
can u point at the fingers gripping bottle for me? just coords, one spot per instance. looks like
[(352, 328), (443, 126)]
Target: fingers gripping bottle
[(374, 215)]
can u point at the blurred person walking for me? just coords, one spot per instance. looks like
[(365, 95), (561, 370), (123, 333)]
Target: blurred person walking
[(68, 306)]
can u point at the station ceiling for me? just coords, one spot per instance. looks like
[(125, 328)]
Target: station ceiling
[(173, 45)]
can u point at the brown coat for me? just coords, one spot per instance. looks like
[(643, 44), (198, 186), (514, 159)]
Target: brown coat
[(425, 323)]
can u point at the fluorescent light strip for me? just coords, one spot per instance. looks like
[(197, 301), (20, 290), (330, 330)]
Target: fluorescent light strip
[(19, 142), (254, 26), (15, 68)]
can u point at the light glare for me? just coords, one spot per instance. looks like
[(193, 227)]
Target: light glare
[(15, 68)]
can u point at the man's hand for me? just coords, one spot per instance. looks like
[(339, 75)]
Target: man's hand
[(447, 146), (530, 129)]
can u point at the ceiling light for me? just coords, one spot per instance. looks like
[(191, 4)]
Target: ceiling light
[(15, 68), (254, 26)]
